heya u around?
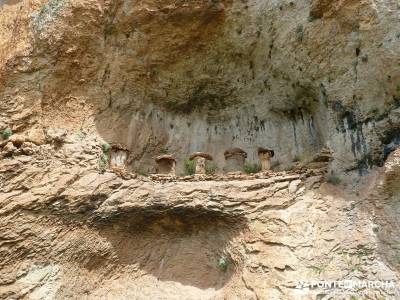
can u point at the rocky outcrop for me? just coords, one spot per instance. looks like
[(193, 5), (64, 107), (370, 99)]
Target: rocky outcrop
[(352, 15), (176, 77), (72, 229), (317, 81)]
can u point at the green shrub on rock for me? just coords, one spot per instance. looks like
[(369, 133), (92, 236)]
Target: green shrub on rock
[(103, 161), (190, 167), (211, 168), (105, 147), (222, 264), (7, 133), (251, 168)]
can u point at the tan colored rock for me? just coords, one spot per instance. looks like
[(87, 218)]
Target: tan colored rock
[(17, 140), (350, 13), (171, 76), (260, 225), (28, 148), (153, 98), (9, 149), (36, 136), (56, 135)]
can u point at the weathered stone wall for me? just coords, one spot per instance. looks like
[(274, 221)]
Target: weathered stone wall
[(199, 76), (70, 229), (177, 77)]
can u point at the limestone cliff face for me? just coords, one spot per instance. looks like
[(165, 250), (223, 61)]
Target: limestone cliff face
[(203, 76), (70, 231), (182, 76)]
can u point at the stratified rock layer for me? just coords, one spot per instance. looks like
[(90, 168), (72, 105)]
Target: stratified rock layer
[(72, 230), (316, 81), (180, 77)]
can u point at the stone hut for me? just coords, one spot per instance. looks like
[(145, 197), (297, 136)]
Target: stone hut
[(235, 159), (200, 159), (265, 156), (166, 164)]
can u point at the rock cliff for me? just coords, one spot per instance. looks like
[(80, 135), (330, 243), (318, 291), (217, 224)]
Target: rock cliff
[(174, 77)]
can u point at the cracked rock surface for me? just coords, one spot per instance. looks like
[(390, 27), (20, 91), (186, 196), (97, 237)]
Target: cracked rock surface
[(70, 230), (186, 76), (316, 81)]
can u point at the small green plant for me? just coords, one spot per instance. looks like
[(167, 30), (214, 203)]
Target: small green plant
[(211, 168), (190, 167), (288, 168), (142, 173), (333, 179), (80, 135), (317, 269), (355, 64), (7, 133), (354, 263), (105, 147), (103, 161), (300, 32), (361, 253), (222, 264), (251, 168)]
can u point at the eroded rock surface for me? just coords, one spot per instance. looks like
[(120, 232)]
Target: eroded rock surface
[(180, 77), (71, 230), (316, 81)]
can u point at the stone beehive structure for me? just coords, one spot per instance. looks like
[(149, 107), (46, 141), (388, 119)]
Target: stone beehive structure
[(265, 156), (166, 164), (200, 159), (234, 159)]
